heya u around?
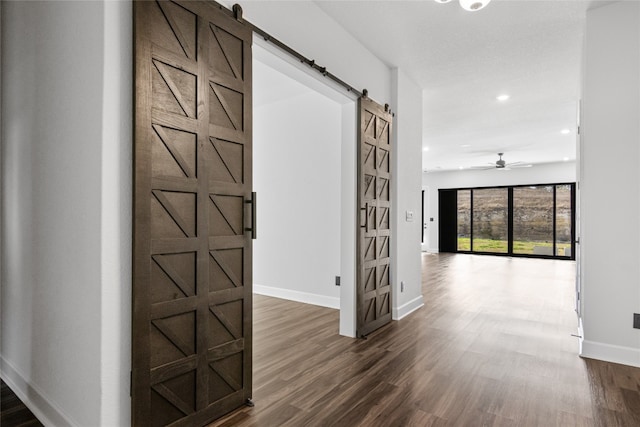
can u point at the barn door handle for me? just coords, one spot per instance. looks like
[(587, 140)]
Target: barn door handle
[(366, 224), (253, 202), (366, 217)]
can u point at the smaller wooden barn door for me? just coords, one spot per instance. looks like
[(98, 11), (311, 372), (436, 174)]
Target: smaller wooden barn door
[(373, 288), (191, 349)]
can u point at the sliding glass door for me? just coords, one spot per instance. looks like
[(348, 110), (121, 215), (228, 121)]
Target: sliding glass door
[(490, 231), (532, 220), (464, 220), (533, 213), (564, 219)]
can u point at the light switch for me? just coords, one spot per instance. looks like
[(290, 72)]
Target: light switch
[(409, 216)]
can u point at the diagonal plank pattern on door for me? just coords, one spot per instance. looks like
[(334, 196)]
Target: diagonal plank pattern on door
[(192, 253), (373, 287)]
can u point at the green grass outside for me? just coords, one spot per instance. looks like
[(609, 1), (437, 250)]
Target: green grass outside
[(489, 245)]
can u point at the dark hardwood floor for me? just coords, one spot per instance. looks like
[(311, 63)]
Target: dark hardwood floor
[(491, 346), (13, 413)]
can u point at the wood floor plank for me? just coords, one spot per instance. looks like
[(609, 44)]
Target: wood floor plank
[(14, 413), (492, 346)]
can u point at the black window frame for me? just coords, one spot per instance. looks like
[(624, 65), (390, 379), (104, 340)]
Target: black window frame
[(509, 253)]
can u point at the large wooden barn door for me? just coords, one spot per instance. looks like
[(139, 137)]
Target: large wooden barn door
[(192, 213), (373, 288)]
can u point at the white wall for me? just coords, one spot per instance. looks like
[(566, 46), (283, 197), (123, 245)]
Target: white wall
[(66, 153), (539, 174), (406, 195), (297, 144), (116, 216), (610, 184), (348, 228)]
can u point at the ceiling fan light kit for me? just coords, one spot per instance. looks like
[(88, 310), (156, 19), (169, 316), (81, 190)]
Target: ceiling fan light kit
[(470, 5), (502, 165)]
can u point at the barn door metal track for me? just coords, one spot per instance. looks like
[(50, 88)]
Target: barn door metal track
[(237, 14)]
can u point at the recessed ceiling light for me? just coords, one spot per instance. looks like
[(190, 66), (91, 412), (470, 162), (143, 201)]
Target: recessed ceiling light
[(465, 145), (565, 131), (503, 97), (460, 167), (565, 159), (425, 149)]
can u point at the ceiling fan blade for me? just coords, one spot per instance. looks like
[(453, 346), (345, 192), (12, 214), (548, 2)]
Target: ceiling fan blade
[(482, 168), (527, 165)]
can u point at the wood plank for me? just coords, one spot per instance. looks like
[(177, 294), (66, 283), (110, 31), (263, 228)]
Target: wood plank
[(373, 192), (173, 97)]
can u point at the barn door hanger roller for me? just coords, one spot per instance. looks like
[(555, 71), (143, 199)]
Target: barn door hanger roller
[(470, 5)]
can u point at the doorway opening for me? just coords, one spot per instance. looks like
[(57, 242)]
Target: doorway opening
[(425, 219), (304, 161)]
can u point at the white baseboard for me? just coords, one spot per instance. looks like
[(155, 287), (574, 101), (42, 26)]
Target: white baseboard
[(580, 335), (305, 297), (432, 250), (408, 308), (610, 353), (47, 412)]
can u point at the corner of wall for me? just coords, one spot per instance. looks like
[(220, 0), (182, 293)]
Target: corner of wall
[(45, 410), (610, 353), (610, 130), (398, 313), (116, 214), (406, 195), (299, 296), (348, 220)]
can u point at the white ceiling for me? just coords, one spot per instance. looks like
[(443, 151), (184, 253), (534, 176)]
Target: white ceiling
[(530, 50)]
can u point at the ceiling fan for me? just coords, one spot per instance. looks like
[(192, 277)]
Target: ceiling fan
[(501, 164)]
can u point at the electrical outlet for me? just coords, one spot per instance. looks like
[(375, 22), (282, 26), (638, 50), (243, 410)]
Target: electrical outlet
[(636, 320), (401, 286), (337, 280)]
